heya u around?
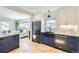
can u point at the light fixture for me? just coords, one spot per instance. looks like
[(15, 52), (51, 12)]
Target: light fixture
[(48, 14)]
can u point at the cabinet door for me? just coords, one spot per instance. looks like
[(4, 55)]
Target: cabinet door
[(77, 15), (52, 39), (15, 40), (48, 39), (72, 47), (62, 15), (1, 45), (52, 42), (72, 44), (11, 42), (6, 44), (71, 12), (67, 15), (45, 40)]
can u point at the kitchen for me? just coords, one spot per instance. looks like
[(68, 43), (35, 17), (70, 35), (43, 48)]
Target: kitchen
[(53, 26)]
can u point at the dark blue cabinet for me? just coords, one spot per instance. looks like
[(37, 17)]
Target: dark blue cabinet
[(48, 39), (73, 44), (9, 43), (52, 42), (45, 40), (1, 45), (15, 39)]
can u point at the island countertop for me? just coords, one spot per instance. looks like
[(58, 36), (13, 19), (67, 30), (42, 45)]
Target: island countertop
[(8, 34)]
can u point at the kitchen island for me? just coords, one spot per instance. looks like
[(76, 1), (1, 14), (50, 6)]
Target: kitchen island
[(9, 42)]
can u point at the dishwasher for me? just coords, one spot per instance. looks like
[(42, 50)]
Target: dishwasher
[(61, 42)]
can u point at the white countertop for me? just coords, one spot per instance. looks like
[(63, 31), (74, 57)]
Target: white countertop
[(68, 34), (8, 34)]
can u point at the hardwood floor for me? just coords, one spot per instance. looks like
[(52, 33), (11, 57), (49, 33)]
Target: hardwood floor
[(26, 46)]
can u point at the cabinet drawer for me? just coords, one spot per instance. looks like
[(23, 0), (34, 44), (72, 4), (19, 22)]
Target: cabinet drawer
[(73, 38), (73, 41), (73, 50), (72, 47)]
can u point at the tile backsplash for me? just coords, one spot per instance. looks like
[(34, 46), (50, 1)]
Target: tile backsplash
[(70, 29)]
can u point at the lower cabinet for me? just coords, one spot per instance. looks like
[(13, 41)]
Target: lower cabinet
[(1, 45), (52, 42), (15, 40), (45, 40), (9, 43), (66, 43), (48, 40), (73, 44)]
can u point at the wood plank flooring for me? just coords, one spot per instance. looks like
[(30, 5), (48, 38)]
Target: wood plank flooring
[(26, 46)]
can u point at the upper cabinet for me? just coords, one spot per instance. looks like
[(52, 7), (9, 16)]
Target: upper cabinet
[(62, 15), (71, 15), (67, 15), (77, 14)]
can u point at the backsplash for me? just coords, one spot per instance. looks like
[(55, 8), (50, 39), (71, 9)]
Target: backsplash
[(68, 29)]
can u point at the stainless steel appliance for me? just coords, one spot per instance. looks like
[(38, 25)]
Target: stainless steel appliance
[(36, 31), (61, 42)]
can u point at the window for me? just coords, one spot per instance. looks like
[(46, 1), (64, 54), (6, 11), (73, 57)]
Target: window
[(4, 27), (24, 27), (51, 24)]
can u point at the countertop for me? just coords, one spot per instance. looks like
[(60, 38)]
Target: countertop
[(8, 34), (67, 34)]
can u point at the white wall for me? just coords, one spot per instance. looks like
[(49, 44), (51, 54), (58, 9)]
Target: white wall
[(65, 15), (11, 22), (41, 17)]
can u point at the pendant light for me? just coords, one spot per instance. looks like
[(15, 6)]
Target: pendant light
[(48, 14)]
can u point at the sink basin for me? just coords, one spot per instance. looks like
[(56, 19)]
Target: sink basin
[(49, 32)]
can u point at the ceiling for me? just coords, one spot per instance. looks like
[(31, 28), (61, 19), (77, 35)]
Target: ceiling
[(24, 12), (12, 14), (40, 9)]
